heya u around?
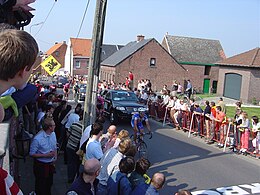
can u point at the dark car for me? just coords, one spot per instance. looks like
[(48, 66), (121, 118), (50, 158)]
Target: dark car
[(121, 104), (61, 81), (82, 92)]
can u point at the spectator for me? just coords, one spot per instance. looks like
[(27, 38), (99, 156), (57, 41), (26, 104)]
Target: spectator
[(56, 117), (29, 117), (189, 89), (131, 80), (207, 112), (180, 88), (110, 162), (256, 129), (157, 183), (118, 182), (123, 134), (222, 122), (244, 129), (86, 183), (72, 118), (137, 176), (44, 151), (74, 135), (164, 90), (198, 113), (108, 140), (18, 52), (66, 89), (222, 105), (93, 147), (86, 133), (183, 192), (174, 88)]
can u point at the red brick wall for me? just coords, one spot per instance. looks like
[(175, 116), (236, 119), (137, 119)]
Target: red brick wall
[(196, 75), (165, 71), (83, 70)]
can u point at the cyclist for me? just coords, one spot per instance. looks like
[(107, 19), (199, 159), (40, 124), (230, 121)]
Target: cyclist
[(137, 123)]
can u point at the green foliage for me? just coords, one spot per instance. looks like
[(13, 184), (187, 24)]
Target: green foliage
[(250, 111), (254, 102)]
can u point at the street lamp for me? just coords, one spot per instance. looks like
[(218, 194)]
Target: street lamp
[(37, 24)]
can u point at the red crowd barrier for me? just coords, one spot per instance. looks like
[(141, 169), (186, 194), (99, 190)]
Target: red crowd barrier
[(196, 124)]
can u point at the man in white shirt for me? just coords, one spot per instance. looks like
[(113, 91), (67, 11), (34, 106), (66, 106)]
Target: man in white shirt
[(86, 132), (93, 147), (72, 118)]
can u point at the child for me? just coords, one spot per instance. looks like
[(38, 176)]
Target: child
[(244, 129), (256, 129), (18, 52)]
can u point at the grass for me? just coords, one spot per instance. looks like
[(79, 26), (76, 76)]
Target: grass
[(250, 111)]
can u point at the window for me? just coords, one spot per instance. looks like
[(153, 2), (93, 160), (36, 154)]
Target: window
[(77, 64), (207, 70), (57, 53), (153, 62)]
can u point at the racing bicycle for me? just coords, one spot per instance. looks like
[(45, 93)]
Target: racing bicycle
[(140, 144)]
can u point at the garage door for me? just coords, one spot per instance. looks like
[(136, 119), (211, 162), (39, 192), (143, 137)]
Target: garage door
[(232, 86)]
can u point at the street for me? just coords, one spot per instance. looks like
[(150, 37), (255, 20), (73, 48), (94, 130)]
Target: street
[(189, 163)]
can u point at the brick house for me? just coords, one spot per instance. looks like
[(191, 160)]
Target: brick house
[(198, 57), (239, 76), (147, 59), (79, 52), (58, 51)]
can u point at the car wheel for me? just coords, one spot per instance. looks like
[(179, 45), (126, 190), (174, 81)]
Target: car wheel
[(113, 118)]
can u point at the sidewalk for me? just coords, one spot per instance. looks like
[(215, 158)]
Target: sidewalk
[(60, 184)]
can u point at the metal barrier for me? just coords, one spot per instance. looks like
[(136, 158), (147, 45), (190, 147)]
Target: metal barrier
[(196, 124)]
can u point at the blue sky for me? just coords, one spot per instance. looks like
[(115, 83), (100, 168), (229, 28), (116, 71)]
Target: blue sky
[(235, 23)]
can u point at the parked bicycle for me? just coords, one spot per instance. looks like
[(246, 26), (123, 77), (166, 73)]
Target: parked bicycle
[(140, 144)]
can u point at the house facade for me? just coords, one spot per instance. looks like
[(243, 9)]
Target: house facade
[(239, 76), (147, 59), (58, 51), (78, 55), (198, 57)]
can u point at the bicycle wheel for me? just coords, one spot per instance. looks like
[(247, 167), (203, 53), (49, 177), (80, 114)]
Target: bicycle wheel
[(132, 139), (142, 150)]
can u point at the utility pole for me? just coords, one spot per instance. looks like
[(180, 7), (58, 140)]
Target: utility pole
[(94, 64)]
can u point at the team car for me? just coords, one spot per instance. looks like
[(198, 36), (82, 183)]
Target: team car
[(121, 104)]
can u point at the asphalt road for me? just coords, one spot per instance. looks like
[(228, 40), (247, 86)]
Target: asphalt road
[(189, 163)]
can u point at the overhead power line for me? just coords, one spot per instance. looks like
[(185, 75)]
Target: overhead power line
[(45, 19), (84, 15)]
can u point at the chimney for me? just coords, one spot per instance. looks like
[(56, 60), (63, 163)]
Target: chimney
[(140, 38)]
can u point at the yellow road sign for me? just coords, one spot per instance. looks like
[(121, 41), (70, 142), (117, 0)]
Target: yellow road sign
[(51, 65)]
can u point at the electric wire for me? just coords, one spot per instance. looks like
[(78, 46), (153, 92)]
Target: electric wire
[(83, 18), (45, 19)]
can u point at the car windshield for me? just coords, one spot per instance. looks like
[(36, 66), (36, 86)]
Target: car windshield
[(62, 80), (83, 88), (124, 96)]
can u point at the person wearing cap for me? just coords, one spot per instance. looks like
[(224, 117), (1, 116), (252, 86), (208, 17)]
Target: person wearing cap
[(137, 123)]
